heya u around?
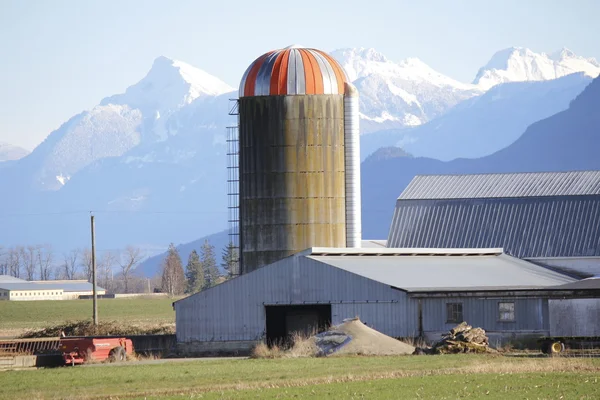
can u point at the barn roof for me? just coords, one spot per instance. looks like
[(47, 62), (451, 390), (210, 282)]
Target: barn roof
[(530, 184), (433, 270), (65, 286), (533, 215)]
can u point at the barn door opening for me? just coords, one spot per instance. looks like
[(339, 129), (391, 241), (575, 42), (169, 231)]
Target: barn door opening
[(283, 321)]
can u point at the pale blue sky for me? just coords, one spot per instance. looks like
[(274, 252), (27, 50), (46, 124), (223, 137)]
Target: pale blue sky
[(60, 57)]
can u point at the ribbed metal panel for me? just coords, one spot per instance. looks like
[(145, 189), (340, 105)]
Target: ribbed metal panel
[(293, 71), (575, 317), (352, 158), (503, 185), (235, 310), (565, 226), (530, 314), (292, 176)]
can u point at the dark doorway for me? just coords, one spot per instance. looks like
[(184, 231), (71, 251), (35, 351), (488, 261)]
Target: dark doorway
[(284, 321)]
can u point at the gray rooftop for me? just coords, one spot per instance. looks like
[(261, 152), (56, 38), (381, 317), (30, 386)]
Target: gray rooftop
[(584, 284), (422, 272), (9, 278), (64, 286), (534, 184)]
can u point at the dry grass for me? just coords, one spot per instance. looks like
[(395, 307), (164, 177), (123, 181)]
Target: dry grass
[(302, 345), (414, 341)]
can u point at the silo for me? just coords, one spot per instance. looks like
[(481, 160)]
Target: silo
[(298, 138)]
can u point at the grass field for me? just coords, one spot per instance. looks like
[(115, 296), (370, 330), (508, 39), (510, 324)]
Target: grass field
[(19, 316), (423, 377)]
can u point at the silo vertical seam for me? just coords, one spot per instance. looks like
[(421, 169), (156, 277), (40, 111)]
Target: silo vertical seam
[(352, 161)]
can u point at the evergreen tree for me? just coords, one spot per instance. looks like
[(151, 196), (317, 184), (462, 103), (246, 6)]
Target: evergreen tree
[(230, 260), (173, 278), (194, 273), (209, 265)]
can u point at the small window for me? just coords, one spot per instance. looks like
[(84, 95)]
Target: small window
[(506, 311), (454, 312)]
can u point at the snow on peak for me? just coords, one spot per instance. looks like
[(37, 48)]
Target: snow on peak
[(201, 83), (360, 62), (518, 64), (170, 84)]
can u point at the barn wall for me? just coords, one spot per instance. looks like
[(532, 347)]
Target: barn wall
[(234, 310), (531, 315), (393, 319), (575, 317)]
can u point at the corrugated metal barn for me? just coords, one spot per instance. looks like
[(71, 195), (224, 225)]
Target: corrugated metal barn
[(577, 315), (400, 292), (550, 218)]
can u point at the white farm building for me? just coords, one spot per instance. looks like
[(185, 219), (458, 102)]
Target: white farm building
[(16, 289)]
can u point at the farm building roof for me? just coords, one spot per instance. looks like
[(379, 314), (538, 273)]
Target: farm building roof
[(584, 284), (534, 215), (478, 186), (432, 270), (65, 286), (9, 278)]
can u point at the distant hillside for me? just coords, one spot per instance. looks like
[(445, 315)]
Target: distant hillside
[(569, 140), (9, 152), (151, 266)]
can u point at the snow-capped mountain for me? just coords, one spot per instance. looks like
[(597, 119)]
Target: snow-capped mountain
[(9, 152), (395, 95), (517, 64), (148, 112), (152, 160), (568, 140), (482, 125)]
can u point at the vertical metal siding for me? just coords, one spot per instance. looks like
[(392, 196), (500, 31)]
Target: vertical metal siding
[(483, 313), (292, 176), (234, 310), (524, 227), (574, 317), (393, 319)]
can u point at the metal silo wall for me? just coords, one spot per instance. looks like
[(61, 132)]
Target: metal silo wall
[(292, 178)]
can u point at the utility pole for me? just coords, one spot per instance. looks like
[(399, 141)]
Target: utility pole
[(95, 297)]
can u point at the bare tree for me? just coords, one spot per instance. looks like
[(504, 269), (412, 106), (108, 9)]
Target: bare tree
[(129, 260), (3, 261), (70, 264), (105, 271), (14, 261), (44, 261), (86, 263), (28, 261), (173, 277)]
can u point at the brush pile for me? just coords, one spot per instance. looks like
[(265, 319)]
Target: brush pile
[(463, 338), (104, 328)]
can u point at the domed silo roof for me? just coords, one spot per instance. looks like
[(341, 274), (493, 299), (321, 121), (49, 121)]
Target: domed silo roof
[(294, 70)]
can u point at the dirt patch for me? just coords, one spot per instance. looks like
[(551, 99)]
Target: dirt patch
[(352, 337), (105, 328)]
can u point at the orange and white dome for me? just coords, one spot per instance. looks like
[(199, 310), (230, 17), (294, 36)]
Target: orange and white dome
[(293, 70)]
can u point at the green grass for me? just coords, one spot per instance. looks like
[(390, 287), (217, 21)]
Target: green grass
[(448, 376), (554, 385), (18, 316)]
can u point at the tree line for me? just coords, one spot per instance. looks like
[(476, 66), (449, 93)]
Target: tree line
[(201, 270), (39, 262), (114, 269)]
